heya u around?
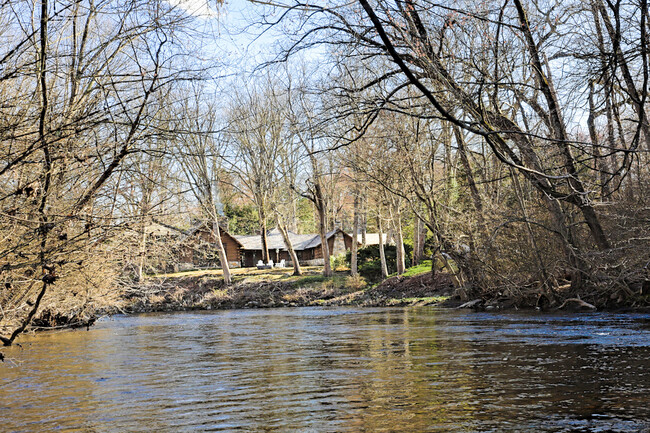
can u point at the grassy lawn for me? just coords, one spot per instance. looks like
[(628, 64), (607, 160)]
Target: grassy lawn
[(420, 269), (278, 287), (310, 274), (253, 275)]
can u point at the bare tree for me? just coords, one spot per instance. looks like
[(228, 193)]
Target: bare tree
[(70, 120), (513, 78), (257, 131), (309, 134), (201, 153)]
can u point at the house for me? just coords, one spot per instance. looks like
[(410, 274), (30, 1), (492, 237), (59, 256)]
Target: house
[(337, 240), (251, 251), (307, 246), (197, 248), (193, 248)]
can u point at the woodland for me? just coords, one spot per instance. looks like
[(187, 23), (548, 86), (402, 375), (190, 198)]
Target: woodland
[(508, 141)]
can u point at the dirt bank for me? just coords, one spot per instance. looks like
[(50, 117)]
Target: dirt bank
[(206, 291), (187, 293)]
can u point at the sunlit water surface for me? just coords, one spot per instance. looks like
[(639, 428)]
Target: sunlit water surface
[(334, 370)]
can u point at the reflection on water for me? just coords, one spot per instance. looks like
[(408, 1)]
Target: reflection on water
[(334, 370)]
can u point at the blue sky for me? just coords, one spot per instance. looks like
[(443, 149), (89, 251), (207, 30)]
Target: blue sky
[(237, 40)]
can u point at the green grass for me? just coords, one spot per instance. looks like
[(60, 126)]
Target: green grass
[(307, 280), (420, 269)]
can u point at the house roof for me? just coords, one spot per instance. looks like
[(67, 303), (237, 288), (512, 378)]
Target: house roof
[(299, 242), (158, 229), (275, 240), (315, 241), (205, 226)]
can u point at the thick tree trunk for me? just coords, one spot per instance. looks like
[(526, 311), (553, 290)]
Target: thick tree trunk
[(322, 217), (382, 253), (264, 235), (355, 231), (600, 164), (419, 236), (289, 245), (225, 266), (628, 78), (593, 222), (471, 183), (364, 224), (396, 222)]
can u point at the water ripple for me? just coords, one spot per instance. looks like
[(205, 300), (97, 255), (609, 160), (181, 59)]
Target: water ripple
[(334, 369)]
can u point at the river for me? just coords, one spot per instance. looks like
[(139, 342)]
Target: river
[(334, 370)]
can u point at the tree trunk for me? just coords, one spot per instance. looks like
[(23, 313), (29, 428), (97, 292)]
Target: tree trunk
[(490, 120), (355, 230), (418, 241), (628, 78), (289, 245), (382, 254), (396, 222), (607, 87), (600, 164), (327, 268), (143, 251), (44, 221), (264, 235), (225, 266), (294, 216), (531, 236), (471, 183), (399, 246), (559, 131), (364, 224)]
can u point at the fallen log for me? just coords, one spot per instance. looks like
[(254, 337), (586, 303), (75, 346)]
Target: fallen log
[(470, 304), (578, 301)]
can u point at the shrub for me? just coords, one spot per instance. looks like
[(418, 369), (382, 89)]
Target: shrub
[(338, 261), (355, 282), (369, 263)]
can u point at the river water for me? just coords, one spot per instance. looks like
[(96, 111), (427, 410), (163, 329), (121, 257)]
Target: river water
[(334, 370)]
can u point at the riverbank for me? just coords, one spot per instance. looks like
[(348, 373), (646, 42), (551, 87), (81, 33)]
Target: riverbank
[(252, 288), (282, 289), (274, 288)]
